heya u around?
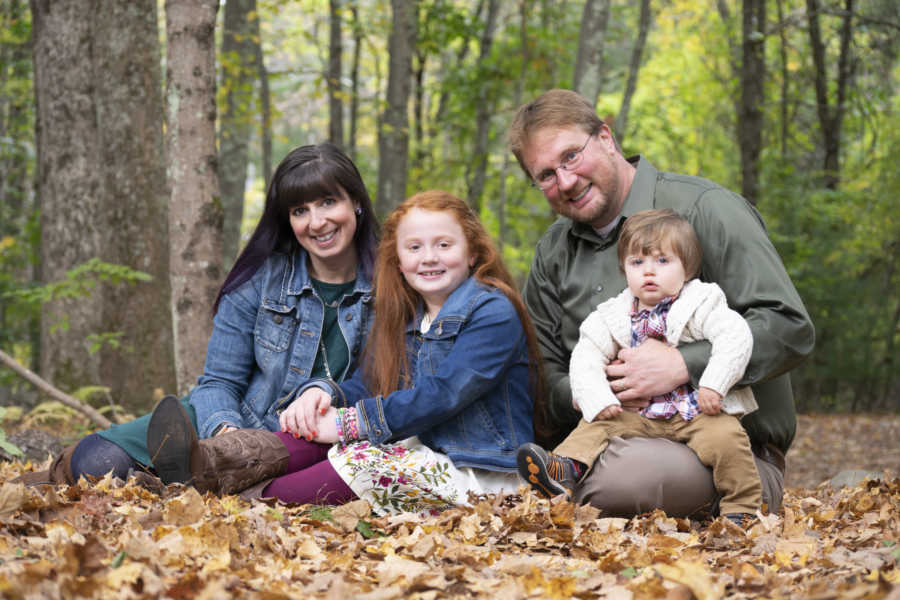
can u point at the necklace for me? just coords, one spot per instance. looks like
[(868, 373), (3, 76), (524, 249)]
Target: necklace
[(325, 359)]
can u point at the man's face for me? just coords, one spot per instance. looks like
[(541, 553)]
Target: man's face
[(589, 193)]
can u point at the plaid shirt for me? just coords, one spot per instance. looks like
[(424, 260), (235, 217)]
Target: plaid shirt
[(652, 324)]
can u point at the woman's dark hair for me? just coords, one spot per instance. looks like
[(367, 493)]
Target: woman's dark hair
[(307, 173)]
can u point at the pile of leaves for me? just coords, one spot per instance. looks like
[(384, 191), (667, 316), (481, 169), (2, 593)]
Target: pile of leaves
[(120, 540)]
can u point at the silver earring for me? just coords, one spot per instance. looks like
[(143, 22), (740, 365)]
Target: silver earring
[(358, 210)]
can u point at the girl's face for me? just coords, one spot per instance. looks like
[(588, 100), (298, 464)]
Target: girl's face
[(434, 256), (325, 228)]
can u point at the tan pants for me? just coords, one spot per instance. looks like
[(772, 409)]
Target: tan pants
[(719, 442)]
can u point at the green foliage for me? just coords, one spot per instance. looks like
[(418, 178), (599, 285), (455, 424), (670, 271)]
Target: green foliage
[(5, 444), (79, 282)]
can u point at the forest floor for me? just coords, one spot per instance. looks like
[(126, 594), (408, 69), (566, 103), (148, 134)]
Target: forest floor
[(109, 539)]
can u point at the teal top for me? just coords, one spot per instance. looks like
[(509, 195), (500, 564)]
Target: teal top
[(333, 355)]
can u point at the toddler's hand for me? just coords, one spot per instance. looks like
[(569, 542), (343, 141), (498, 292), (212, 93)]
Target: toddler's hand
[(609, 412), (709, 401)]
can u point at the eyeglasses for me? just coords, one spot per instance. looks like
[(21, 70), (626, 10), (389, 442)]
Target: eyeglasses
[(546, 179)]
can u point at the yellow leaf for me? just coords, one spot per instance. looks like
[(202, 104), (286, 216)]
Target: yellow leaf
[(695, 575), (12, 498)]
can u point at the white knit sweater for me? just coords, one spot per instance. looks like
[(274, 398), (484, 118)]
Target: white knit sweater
[(699, 313)]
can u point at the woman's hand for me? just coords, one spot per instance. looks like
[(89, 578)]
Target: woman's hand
[(301, 417), (326, 427)]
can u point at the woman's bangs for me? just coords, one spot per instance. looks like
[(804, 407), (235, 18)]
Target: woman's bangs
[(312, 181)]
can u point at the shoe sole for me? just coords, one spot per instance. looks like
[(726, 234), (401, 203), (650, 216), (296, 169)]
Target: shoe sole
[(170, 436), (533, 469)]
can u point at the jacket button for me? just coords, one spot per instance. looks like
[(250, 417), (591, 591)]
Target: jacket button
[(377, 432), (349, 317), (278, 319)]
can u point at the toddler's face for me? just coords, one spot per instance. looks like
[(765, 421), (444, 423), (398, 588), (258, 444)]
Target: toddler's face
[(655, 276)]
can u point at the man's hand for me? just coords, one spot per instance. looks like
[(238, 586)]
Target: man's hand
[(652, 369), (709, 401)]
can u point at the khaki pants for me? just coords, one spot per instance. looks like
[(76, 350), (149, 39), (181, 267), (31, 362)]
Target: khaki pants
[(718, 441)]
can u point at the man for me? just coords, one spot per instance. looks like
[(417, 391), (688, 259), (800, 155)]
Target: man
[(570, 154)]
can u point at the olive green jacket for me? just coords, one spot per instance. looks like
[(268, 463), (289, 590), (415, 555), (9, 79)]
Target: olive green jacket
[(574, 270)]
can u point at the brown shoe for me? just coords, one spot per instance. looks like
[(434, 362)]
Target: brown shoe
[(546, 472)]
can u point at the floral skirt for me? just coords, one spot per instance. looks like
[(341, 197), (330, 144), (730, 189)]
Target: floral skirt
[(408, 476)]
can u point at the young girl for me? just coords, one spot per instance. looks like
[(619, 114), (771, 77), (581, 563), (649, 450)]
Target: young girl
[(444, 397)]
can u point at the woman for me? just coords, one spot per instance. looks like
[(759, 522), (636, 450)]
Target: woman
[(445, 395), (296, 304)]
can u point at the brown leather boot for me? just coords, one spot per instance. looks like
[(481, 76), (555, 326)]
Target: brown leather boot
[(234, 461), (60, 471), (224, 464)]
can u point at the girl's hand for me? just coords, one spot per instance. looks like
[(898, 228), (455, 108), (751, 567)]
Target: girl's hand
[(709, 401), (609, 412), (326, 427), (301, 417)]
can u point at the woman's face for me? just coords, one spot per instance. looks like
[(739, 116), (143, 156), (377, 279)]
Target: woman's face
[(325, 227), (434, 256)]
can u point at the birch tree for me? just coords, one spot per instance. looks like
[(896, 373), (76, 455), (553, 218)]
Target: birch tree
[(195, 220)]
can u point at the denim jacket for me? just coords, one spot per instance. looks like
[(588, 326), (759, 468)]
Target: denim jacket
[(470, 397), (264, 342)]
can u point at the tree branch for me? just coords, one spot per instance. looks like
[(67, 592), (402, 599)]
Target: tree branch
[(51, 391)]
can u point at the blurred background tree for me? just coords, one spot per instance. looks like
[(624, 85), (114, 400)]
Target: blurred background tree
[(792, 102)]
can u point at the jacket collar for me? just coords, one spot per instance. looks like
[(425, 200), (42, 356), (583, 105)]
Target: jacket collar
[(458, 305), (297, 279)]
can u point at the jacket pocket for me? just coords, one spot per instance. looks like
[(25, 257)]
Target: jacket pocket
[(275, 326)]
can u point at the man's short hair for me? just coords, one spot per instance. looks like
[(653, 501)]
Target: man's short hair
[(655, 230), (554, 108)]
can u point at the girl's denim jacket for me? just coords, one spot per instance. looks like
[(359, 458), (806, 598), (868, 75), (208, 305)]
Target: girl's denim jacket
[(264, 342), (470, 397)]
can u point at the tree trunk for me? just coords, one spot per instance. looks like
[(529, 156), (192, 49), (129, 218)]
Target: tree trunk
[(354, 79), (393, 131), (634, 68), (748, 67), (750, 121), (483, 111), (335, 101), (517, 102), (102, 187), (195, 221), (785, 82), (589, 62), (239, 47), (418, 83), (265, 110), (830, 118)]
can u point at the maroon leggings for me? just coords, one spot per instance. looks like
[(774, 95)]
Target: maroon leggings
[(309, 478)]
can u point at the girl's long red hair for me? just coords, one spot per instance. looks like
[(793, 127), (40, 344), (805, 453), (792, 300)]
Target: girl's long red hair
[(386, 365)]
